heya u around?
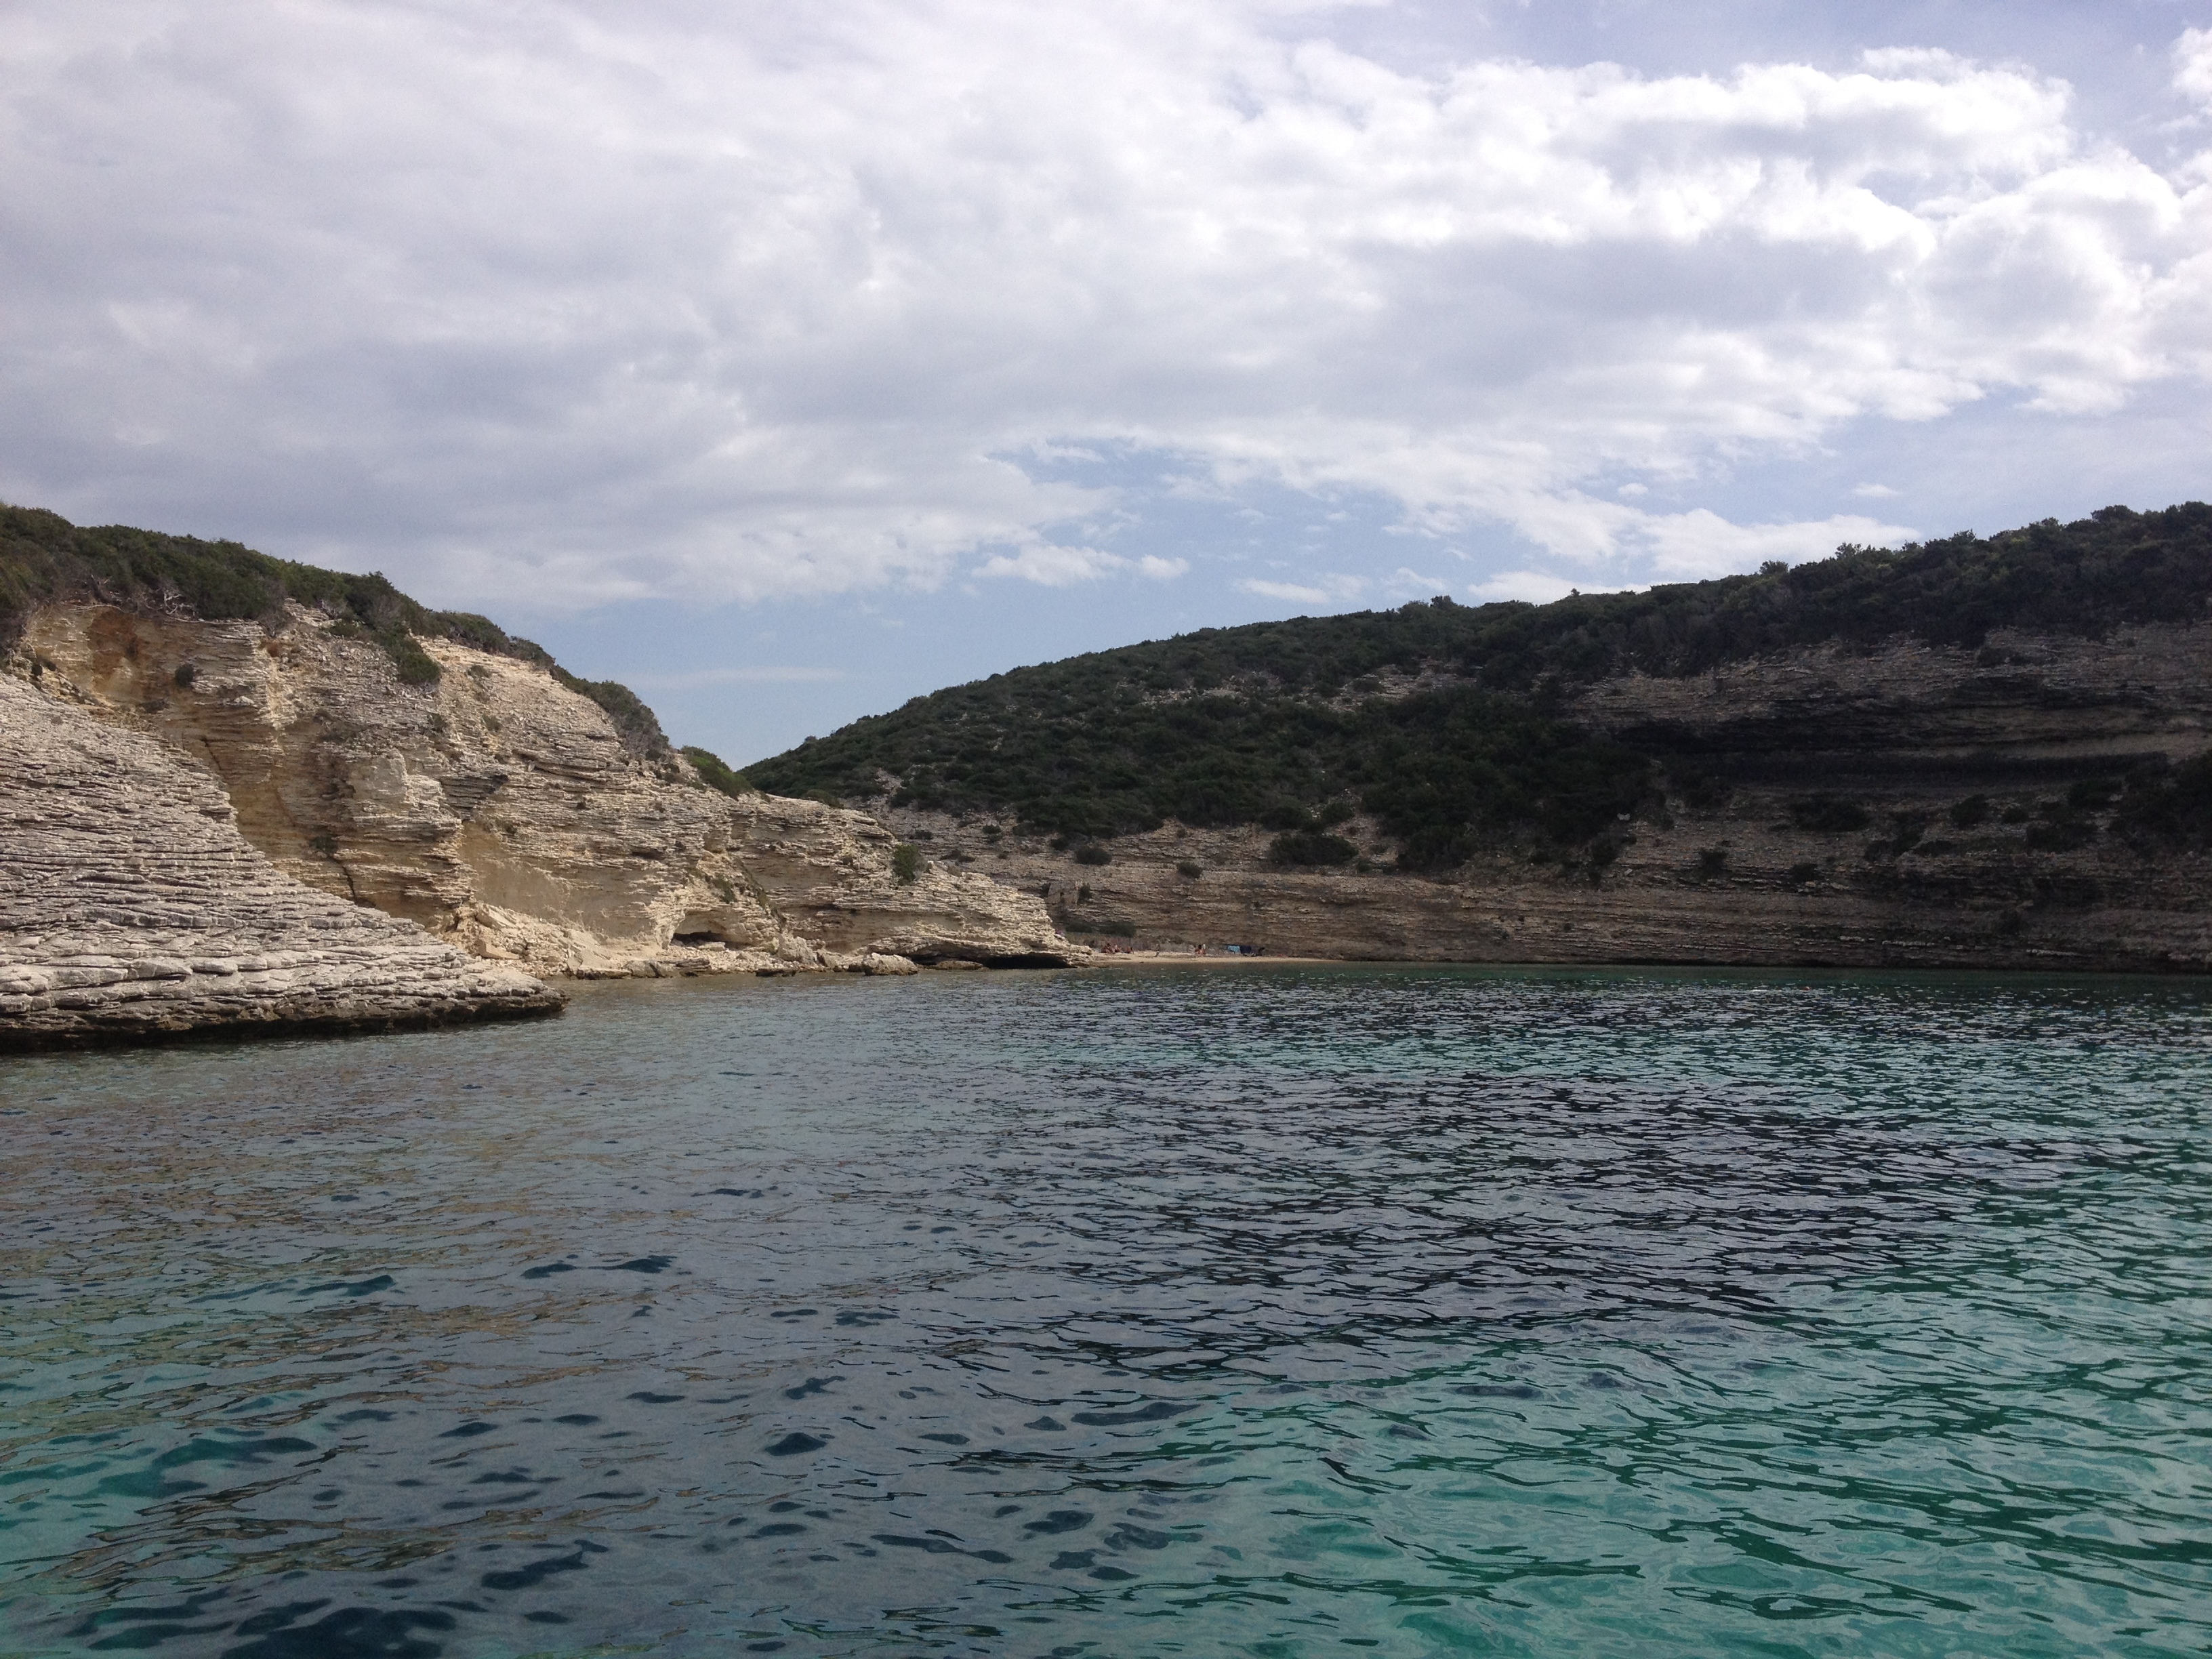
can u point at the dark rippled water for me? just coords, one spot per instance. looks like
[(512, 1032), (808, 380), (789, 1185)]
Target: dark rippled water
[(1279, 1312)]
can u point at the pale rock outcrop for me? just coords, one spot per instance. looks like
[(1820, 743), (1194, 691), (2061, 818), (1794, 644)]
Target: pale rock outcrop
[(501, 810), (828, 871), (130, 907)]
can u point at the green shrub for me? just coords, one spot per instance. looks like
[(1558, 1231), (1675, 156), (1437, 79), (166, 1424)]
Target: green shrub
[(1311, 847), (1829, 815), (1801, 875), (2061, 834), (716, 774), (1969, 813), (2065, 893), (1189, 870), (185, 676), (2175, 807), (1445, 772), (1907, 828), (1711, 862), (2091, 793), (1091, 853), (416, 666), (906, 862), (634, 723), (1702, 790)]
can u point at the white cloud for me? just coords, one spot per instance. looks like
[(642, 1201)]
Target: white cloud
[(1053, 567), (1332, 589), (762, 674), (1700, 543), (1530, 587), (1049, 566), (2192, 64), (581, 302), (1293, 592), (1874, 492), (1409, 584)]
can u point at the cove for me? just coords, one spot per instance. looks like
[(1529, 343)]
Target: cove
[(1287, 1311)]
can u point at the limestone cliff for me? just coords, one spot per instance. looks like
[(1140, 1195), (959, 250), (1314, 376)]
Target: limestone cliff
[(130, 907), (503, 812), (1902, 805)]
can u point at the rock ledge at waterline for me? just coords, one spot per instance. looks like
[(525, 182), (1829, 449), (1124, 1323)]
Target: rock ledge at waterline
[(491, 814), (131, 908)]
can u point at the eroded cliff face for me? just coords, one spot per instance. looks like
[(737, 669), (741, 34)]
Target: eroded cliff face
[(130, 907), (1907, 806), (501, 811)]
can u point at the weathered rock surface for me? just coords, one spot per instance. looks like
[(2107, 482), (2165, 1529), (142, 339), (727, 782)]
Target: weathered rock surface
[(1728, 873), (500, 810), (130, 908), (828, 872)]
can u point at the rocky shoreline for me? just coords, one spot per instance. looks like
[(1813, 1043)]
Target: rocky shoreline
[(261, 826), (134, 910), (1907, 806)]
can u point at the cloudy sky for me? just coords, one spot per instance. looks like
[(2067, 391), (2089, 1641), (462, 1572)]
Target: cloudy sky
[(788, 360)]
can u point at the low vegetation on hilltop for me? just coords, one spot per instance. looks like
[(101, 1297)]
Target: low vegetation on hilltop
[(1437, 768), (1440, 719), (718, 774), (44, 558)]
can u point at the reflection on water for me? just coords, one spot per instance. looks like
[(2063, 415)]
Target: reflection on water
[(1283, 1312)]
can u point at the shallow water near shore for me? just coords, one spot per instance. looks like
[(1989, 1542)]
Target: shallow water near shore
[(1288, 1312)]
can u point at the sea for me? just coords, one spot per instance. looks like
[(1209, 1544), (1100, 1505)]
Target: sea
[(1276, 1310)]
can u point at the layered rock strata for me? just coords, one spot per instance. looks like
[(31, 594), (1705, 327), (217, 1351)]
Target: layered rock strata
[(130, 908), (502, 812), (1908, 806)]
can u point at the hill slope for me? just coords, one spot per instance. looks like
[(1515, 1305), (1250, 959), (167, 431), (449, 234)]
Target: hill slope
[(509, 810), (1442, 721), (44, 558)]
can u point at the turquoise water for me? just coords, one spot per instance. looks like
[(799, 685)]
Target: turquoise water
[(1278, 1311)]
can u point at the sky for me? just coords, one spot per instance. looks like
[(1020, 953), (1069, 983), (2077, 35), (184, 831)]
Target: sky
[(788, 361)]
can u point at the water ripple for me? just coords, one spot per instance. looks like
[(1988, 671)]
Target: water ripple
[(1272, 1312)]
